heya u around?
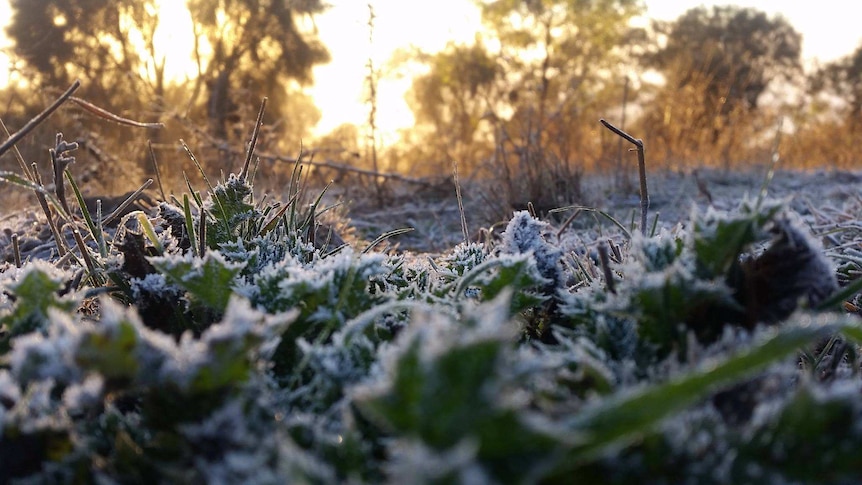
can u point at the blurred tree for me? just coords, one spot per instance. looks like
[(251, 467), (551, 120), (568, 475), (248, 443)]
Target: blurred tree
[(539, 80), (452, 98), (564, 62), (739, 51), (105, 43), (257, 48), (828, 121), (716, 65), (244, 50), (109, 46), (843, 79)]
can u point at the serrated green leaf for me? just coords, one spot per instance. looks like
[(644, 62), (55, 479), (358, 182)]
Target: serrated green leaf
[(209, 279)]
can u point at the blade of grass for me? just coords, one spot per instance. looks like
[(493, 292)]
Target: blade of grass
[(269, 226), (209, 185), (21, 163), (594, 210), (835, 301), (94, 232), (149, 231), (243, 174), (387, 235), (15, 179), (103, 248), (190, 225), (156, 169), (195, 195)]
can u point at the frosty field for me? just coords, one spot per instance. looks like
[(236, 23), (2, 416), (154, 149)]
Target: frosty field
[(215, 340)]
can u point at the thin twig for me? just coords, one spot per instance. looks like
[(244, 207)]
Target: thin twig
[(33, 123), (639, 146), (271, 157), (107, 115), (568, 222), (243, 174)]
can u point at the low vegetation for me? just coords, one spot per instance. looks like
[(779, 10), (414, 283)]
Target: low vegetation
[(220, 340)]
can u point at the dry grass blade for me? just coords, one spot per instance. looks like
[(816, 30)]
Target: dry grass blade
[(156, 169), (385, 236), (33, 123), (85, 252), (107, 115), (460, 202), (120, 208), (253, 142)]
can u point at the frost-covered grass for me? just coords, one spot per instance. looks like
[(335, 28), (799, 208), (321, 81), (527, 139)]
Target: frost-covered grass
[(217, 343)]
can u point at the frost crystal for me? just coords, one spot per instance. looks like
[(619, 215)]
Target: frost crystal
[(84, 396), (37, 357)]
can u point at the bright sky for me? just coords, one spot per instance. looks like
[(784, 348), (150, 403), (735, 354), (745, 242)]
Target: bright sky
[(830, 29)]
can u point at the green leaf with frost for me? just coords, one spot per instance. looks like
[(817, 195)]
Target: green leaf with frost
[(620, 420), (719, 241), (110, 351), (209, 279), (516, 272), (230, 207), (36, 290)]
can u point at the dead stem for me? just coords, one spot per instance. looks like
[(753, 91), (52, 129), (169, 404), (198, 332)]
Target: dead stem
[(604, 259), (639, 146), (16, 249), (107, 115)]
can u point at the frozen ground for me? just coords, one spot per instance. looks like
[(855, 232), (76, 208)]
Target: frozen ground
[(829, 200), (821, 196)]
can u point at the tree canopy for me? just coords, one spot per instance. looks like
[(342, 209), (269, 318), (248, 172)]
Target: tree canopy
[(244, 50), (715, 65), (737, 52)]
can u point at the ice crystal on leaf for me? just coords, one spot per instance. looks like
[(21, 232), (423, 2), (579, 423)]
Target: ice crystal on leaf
[(36, 288), (38, 357), (464, 257), (525, 235), (208, 279)]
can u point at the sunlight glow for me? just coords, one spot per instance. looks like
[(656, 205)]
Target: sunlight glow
[(340, 90)]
